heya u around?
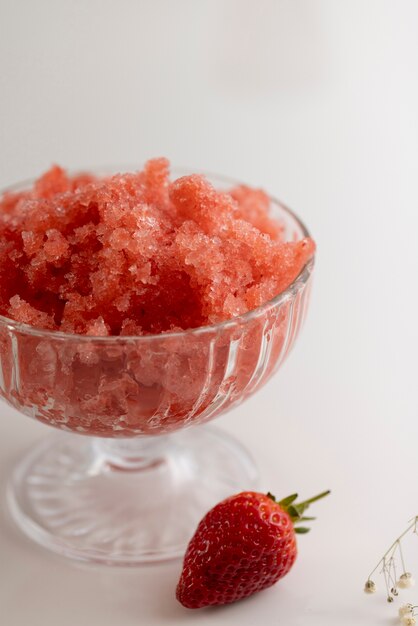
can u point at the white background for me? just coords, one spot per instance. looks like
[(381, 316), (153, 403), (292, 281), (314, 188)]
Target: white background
[(317, 102)]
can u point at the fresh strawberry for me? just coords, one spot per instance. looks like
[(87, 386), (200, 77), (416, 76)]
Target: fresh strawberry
[(243, 545)]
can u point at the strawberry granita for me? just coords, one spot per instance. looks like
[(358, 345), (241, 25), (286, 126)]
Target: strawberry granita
[(137, 271), (135, 254)]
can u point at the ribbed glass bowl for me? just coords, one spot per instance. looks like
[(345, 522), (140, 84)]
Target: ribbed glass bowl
[(135, 489)]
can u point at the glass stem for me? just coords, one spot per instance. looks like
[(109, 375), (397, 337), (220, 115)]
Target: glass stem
[(133, 454)]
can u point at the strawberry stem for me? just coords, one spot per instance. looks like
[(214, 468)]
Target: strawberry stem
[(306, 503), (295, 510)]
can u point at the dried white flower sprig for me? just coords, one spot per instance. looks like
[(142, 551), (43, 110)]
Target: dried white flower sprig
[(407, 615), (390, 563)]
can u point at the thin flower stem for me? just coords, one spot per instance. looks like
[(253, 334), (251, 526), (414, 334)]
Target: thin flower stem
[(394, 570), (386, 582), (394, 546), (402, 559), (391, 572)]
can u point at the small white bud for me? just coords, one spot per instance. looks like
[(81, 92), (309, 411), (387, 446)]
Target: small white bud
[(405, 609), (370, 587), (405, 581)]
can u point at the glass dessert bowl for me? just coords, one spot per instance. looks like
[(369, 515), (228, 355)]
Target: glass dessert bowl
[(133, 488)]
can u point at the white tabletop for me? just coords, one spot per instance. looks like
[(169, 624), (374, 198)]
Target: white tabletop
[(316, 101)]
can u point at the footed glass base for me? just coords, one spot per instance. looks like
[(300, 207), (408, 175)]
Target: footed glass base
[(125, 502)]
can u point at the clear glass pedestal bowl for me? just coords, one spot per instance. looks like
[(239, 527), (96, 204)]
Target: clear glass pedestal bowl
[(135, 467)]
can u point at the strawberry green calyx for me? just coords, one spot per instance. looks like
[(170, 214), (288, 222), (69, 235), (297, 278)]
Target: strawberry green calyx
[(296, 510)]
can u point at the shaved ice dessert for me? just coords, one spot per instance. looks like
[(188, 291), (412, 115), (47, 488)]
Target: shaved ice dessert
[(136, 259), (134, 254)]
